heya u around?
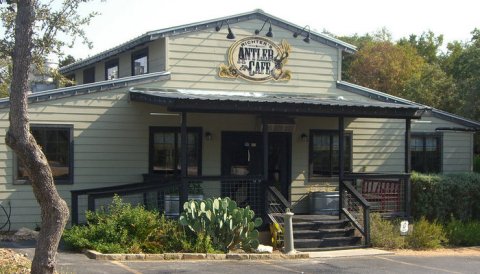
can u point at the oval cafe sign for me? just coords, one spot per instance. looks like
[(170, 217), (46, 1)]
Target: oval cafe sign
[(257, 59)]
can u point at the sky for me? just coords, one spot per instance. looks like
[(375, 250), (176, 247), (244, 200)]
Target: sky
[(120, 20)]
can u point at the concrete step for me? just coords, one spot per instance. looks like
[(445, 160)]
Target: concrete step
[(327, 242), (315, 225), (330, 248), (323, 233)]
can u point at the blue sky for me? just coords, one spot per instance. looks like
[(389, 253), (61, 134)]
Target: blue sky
[(121, 20)]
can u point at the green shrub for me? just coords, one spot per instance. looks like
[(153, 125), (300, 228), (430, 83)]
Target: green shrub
[(228, 226), (476, 163), (463, 233), (438, 197), (122, 228), (426, 235), (385, 233)]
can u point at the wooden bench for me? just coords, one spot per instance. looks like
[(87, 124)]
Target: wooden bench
[(385, 193)]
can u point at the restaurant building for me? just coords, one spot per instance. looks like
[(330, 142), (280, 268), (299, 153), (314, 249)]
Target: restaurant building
[(247, 106)]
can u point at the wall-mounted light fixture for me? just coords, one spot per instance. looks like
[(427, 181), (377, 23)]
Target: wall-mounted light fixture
[(304, 137), (307, 38), (208, 136), (269, 33), (230, 34)]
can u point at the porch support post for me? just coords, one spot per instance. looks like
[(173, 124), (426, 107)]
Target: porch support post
[(183, 162), (341, 161), (263, 186), (265, 149), (408, 166), (408, 169)]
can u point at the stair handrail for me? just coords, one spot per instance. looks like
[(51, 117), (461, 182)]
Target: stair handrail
[(365, 227), (274, 213)]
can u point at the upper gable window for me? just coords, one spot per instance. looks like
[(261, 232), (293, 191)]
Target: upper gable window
[(89, 75), (111, 69), (140, 62)]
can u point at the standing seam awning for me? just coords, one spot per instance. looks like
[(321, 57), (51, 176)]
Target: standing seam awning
[(178, 100)]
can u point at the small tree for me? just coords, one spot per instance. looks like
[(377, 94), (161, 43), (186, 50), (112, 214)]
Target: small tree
[(31, 30)]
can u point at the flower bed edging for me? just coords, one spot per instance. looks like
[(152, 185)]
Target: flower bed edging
[(92, 254)]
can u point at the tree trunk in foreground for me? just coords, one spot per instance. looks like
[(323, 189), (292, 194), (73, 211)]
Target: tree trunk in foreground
[(54, 210)]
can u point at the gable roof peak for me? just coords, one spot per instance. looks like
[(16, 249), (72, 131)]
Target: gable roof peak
[(204, 25)]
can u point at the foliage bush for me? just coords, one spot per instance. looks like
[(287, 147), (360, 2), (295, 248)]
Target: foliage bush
[(228, 225), (463, 233), (438, 197), (385, 233), (123, 228), (426, 235), (476, 163)]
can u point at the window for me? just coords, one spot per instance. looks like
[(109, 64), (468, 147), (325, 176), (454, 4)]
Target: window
[(89, 75), (425, 152), (324, 153), (165, 151), (111, 69), (56, 142), (140, 62)]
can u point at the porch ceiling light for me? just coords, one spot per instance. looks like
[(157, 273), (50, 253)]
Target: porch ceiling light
[(208, 136), (304, 30), (269, 33), (230, 34), (304, 137)]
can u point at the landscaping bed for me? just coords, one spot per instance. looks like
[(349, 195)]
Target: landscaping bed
[(13, 262)]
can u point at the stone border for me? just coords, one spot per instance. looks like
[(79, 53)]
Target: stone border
[(191, 256)]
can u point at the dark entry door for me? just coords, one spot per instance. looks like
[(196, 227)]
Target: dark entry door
[(279, 161), (242, 155)]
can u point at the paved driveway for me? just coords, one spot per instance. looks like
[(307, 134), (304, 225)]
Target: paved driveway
[(79, 264)]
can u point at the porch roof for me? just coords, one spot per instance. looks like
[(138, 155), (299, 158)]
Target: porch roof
[(178, 100)]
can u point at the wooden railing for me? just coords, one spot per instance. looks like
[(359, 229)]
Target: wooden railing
[(276, 205), (164, 194), (357, 210), (388, 194)]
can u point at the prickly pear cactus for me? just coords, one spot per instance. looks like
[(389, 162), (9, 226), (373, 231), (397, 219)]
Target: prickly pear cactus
[(228, 225)]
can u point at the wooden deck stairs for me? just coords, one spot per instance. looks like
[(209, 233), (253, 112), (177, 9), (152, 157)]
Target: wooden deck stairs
[(323, 232)]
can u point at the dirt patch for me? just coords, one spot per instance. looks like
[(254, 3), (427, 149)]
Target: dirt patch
[(460, 251), (12, 262)]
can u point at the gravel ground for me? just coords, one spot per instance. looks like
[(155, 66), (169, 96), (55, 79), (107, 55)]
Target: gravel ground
[(12, 262)]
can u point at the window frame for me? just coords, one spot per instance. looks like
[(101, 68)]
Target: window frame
[(424, 135), (67, 181), (331, 133), (137, 55), (110, 64), (176, 130), (88, 70)]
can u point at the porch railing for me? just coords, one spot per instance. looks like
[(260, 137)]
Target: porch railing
[(356, 209), (364, 193), (276, 205), (163, 195), (388, 194)]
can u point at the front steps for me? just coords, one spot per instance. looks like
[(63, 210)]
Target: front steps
[(323, 232)]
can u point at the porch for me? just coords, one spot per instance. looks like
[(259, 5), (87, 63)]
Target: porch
[(254, 180)]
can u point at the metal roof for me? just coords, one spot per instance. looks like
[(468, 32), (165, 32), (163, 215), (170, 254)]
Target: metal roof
[(384, 97), (90, 88), (208, 24), (254, 102)]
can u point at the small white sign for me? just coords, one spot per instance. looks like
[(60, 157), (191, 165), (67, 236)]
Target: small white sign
[(404, 228)]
